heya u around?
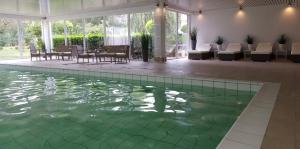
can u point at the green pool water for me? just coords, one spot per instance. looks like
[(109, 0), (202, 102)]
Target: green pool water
[(55, 111)]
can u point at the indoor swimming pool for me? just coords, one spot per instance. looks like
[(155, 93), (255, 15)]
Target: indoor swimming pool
[(70, 111)]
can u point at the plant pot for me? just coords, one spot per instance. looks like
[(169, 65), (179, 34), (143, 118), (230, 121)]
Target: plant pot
[(219, 47), (194, 44), (281, 47), (250, 47), (145, 55)]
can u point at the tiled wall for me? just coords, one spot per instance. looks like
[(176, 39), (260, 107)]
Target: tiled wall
[(151, 79)]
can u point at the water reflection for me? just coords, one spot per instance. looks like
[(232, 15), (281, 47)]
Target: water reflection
[(50, 86), (160, 100)]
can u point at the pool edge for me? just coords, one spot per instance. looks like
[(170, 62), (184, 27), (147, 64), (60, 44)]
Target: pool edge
[(249, 129)]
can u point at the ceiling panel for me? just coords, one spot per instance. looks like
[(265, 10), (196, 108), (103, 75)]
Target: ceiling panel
[(194, 5), (8, 6), (29, 7), (63, 7)]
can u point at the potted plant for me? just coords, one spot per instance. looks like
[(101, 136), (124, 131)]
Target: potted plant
[(250, 42), (41, 45), (282, 41), (145, 41), (193, 36), (219, 43)]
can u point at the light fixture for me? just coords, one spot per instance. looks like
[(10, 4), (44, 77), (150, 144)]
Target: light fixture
[(241, 7), (200, 11), (290, 4), (165, 4)]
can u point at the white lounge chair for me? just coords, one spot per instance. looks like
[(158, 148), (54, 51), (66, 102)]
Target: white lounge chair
[(203, 51), (295, 53), (232, 52), (263, 52)]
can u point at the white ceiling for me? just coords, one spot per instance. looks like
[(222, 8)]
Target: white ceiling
[(29, 7), (195, 5), (65, 7), (62, 7)]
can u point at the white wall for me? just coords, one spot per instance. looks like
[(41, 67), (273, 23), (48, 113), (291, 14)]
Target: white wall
[(265, 23)]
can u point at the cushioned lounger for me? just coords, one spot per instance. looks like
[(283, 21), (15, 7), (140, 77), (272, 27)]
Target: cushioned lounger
[(201, 53), (232, 52), (262, 53), (295, 54)]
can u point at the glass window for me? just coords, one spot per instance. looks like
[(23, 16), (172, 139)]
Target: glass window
[(176, 38), (32, 32), (94, 28), (9, 39), (171, 33), (75, 32), (183, 35), (116, 30), (139, 23), (58, 33)]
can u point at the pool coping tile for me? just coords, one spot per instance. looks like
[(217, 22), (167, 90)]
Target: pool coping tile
[(249, 129)]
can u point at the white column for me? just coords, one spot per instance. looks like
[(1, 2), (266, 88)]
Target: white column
[(104, 26), (129, 33), (177, 34), (189, 22), (65, 33), (45, 24), (21, 37), (160, 37), (84, 35), (46, 27)]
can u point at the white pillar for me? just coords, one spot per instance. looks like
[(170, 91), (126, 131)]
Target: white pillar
[(65, 33), (160, 36), (129, 33), (189, 22), (46, 27), (21, 37), (177, 34), (84, 36)]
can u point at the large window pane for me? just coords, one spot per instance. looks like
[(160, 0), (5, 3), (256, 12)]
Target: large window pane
[(32, 32), (75, 32), (58, 33), (139, 23), (9, 39), (94, 28), (176, 34), (117, 30), (171, 33), (183, 35)]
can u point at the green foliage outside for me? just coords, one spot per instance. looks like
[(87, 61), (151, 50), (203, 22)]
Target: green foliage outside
[(95, 41), (33, 32), (8, 33)]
